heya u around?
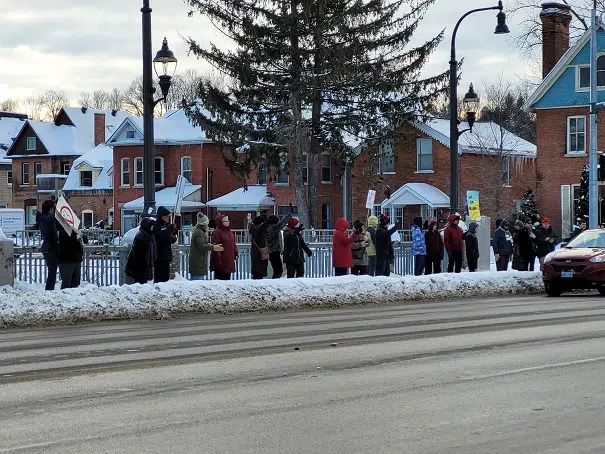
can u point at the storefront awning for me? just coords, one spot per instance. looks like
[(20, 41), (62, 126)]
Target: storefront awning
[(254, 198)]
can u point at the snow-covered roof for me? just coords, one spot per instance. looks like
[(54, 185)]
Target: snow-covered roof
[(418, 194), (99, 158), (487, 136), (84, 119), (9, 129), (167, 197), (254, 198)]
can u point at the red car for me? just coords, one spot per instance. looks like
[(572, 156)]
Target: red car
[(579, 264)]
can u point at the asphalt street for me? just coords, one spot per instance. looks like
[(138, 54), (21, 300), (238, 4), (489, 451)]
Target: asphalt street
[(507, 375)]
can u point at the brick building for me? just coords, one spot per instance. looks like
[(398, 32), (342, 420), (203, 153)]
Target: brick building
[(10, 125), (561, 105), (43, 154)]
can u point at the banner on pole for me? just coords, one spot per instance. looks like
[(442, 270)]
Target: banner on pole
[(472, 202), (67, 217), (370, 200), (180, 192)]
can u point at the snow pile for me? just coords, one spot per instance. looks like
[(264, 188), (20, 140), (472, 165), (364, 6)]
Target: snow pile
[(22, 305)]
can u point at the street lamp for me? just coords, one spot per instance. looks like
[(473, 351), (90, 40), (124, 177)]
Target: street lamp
[(471, 100), (470, 103), (165, 65)]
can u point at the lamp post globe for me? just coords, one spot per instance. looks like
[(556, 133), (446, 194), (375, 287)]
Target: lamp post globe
[(502, 27), (165, 64), (471, 103)]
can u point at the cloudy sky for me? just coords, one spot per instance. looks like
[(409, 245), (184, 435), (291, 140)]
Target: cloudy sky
[(83, 45)]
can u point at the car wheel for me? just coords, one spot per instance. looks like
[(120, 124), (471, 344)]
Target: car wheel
[(601, 289), (553, 289)]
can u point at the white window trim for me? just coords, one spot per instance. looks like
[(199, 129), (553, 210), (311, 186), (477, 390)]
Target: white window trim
[(506, 164), (29, 174), (92, 215), (161, 183), (567, 133), (322, 169), (9, 172), (380, 159), (277, 183), (92, 178), (577, 73), (182, 169), (418, 148), (63, 168), (134, 172), (122, 184), (35, 141)]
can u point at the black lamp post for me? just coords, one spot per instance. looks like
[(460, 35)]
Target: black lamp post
[(471, 101), (165, 66)]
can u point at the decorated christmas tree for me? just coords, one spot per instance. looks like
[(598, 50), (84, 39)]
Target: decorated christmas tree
[(582, 208), (528, 209)]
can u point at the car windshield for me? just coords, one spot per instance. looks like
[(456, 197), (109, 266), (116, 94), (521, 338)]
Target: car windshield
[(593, 239)]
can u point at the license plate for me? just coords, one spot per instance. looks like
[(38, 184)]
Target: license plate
[(567, 274)]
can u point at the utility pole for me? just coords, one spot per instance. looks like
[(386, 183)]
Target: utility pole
[(593, 178)]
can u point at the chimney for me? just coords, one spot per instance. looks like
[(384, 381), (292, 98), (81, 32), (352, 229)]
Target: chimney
[(99, 128), (555, 18)]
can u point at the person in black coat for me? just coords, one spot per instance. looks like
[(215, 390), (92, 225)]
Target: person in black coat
[(71, 254), (258, 237), (165, 236), (143, 254), (502, 245), (384, 246), (50, 241), (524, 247), (472, 247), (295, 249)]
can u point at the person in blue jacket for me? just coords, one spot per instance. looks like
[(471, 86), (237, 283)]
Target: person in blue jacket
[(502, 244), (418, 246)]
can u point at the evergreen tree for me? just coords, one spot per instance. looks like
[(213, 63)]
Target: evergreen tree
[(311, 76), (528, 209), (582, 208)]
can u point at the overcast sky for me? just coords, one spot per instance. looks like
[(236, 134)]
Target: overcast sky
[(83, 45)]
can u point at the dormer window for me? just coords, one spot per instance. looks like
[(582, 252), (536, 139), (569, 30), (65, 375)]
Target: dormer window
[(584, 74), (130, 134), (31, 144), (86, 178)]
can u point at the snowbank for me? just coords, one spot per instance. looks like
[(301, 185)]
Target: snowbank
[(22, 305)]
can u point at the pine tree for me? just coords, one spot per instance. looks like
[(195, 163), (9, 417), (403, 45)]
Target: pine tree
[(582, 208), (308, 77), (528, 209)]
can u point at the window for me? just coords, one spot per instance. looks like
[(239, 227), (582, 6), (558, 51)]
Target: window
[(576, 135), (378, 211), (31, 144), (87, 219), (86, 178), (282, 173), (387, 156), (305, 170), (506, 171), (283, 211), (576, 200), (130, 134), (262, 176), (326, 168), (326, 216), (424, 155), (37, 171), (125, 172), (31, 210), (138, 171), (25, 173), (186, 168), (159, 171), (583, 74), (65, 167), (9, 177)]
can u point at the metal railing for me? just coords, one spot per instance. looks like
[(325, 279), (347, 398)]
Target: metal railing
[(96, 237)]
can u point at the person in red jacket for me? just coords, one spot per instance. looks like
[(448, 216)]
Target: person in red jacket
[(223, 263), (342, 260), (454, 243)]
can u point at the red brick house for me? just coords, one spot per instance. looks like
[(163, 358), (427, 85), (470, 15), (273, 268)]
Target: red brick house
[(10, 125), (43, 153)]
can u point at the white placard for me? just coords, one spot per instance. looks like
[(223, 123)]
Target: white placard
[(64, 210), (180, 192), (395, 237), (12, 220), (370, 200)]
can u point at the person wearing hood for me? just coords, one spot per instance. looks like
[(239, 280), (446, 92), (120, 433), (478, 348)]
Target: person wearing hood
[(199, 249), (454, 243), (472, 247), (259, 253), (359, 249), (434, 249), (165, 236), (385, 253), (295, 249), (342, 260), (48, 230), (371, 248), (502, 244), (223, 262), (275, 243), (418, 246), (143, 254)]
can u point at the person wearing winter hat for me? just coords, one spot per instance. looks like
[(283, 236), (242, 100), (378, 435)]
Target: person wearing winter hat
[(295, 249), (223, 262), (384, 246), (143, 254), (472, 247), (546, 240), (434, 249), (359, 249), (453, 239), (342, 261), (165, 236), (418, 246), (371, 249), (200, 248), (502, 244)]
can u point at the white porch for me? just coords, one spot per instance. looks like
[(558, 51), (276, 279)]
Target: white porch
[(420, 199)]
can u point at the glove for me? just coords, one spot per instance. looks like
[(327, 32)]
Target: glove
[(497, 257), (310, 254)]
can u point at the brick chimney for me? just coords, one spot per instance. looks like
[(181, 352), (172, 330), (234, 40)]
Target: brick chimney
[(99, 128), (555, 18)]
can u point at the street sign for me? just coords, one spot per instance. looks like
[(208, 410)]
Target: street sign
[(370, 200), (12, 220)]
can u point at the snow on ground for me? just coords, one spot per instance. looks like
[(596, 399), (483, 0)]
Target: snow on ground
[(25, 305)]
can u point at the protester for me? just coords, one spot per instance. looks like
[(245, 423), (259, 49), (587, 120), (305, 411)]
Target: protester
[(295, 249), (143, 254), (384, 246), (275, 242), (199, 249), (579, 228), (48, 229), (418, 246), (523, 245), (502, 245), (454, 243), (434, 249), (342, 261), (546, 240), (165, 236), (223, 262), (472, 247), (259, 253), (371, 248), (359, 249), (71, 254)]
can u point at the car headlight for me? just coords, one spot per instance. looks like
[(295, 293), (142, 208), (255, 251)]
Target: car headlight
[(549, 257), (598, 259)]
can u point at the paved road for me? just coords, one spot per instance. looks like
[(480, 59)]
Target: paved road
[(499, 375)]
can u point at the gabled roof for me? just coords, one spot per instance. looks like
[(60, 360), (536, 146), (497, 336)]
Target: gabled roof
[(9, 129), (84, 119), (101, 158), (418, 194), (254, 198)]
